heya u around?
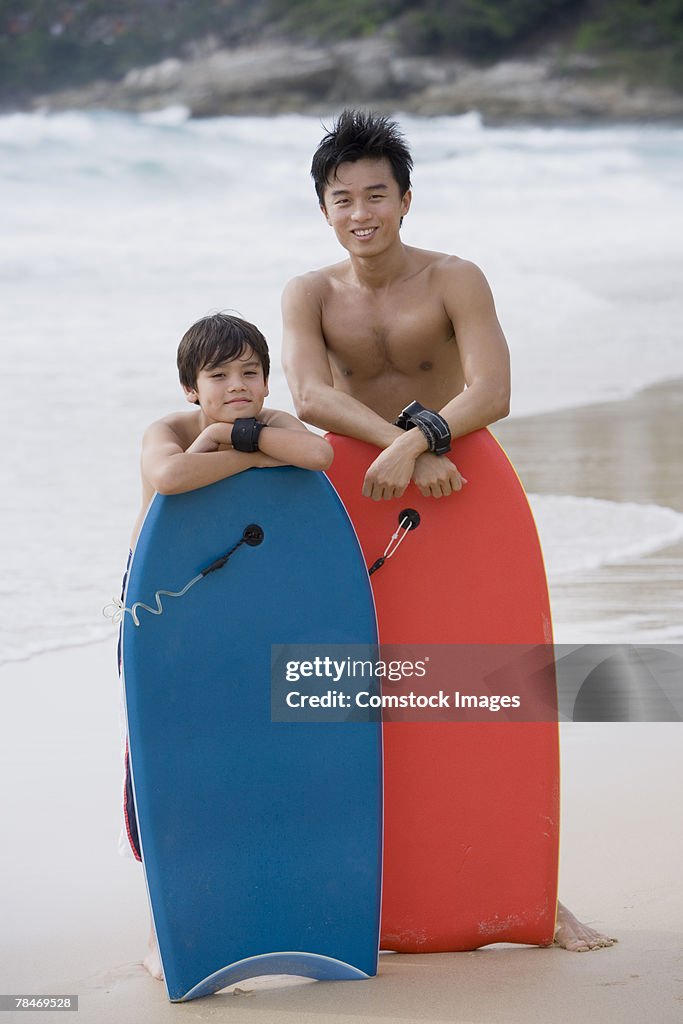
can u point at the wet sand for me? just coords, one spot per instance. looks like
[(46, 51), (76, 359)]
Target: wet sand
[(620, 451)]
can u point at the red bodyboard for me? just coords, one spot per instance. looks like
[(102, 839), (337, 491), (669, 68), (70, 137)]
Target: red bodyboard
[(471, 819)]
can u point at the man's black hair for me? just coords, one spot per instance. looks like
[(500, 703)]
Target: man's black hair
[(217, 339), (359, 134)]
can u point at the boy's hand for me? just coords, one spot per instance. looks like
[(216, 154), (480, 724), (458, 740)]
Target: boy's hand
[(213, 438), (217, 437), (170, 468)]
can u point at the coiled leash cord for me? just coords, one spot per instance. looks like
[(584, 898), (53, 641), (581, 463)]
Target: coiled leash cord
[(252, 537)]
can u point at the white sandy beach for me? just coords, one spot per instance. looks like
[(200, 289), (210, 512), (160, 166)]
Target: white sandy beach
[(74, 916)]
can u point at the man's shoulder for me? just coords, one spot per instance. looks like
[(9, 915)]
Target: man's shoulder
[(442, 262), (451, 274), (317, 281)]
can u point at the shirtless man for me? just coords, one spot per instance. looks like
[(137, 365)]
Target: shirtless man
[(389, 325)]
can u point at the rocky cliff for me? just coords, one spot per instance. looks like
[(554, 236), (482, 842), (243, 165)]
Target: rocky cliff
[(278, 77)]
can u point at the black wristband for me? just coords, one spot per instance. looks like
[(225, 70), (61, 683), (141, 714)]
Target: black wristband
[(432, 424), (245, 434), (404, 420)]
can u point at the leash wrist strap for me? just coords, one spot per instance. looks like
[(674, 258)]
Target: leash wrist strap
[(432, 425), (245, 434)]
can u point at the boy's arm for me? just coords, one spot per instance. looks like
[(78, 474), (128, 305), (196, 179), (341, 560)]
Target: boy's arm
[(286, 439), (169, 469)]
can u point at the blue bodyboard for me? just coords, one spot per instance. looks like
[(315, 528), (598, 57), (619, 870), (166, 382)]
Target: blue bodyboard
[(261, 840)]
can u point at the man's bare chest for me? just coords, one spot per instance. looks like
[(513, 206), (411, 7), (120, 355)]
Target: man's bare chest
[(401, 332)]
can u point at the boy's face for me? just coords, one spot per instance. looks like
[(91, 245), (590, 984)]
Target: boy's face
[(364, 206), (231, 390)]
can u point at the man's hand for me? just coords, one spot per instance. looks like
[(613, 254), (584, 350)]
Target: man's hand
[(390, 473), (406, 459), (436, 476)]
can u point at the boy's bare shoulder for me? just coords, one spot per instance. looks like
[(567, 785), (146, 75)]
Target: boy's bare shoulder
[(182, 427), (279, 418)]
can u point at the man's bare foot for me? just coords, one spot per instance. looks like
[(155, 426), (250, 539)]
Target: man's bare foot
[(152, 961), (577, 937)]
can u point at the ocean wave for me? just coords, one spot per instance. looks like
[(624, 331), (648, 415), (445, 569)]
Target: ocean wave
[(583, 534), (123, 229), (26, 131), (168, 117)]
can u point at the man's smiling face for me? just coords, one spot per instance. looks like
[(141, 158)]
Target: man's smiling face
[(364, 206)]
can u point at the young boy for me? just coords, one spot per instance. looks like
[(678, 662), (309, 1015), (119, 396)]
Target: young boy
[(223, 363)]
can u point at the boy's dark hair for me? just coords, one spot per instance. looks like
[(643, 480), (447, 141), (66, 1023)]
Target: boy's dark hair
[(358, 134), (219, 339)]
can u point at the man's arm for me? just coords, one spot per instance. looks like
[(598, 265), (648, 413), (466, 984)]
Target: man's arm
[(485, 360), (482, 347), (307, 368)]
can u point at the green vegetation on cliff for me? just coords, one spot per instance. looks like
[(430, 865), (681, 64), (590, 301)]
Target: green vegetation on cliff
[(479, 29), (50, 44), (642, 38)]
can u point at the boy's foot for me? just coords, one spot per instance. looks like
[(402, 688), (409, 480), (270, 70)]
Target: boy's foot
[(152, 961), (577, 937)]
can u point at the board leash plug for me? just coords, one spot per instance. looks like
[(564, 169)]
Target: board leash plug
[(253, 535), (408, 519)]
